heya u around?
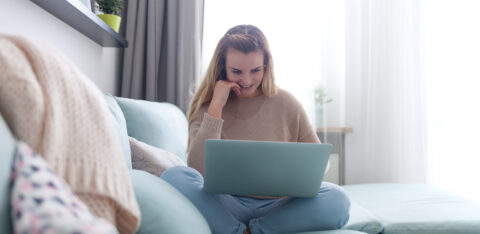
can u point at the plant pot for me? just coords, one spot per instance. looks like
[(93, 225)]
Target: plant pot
[(112, 20), (319, 115)]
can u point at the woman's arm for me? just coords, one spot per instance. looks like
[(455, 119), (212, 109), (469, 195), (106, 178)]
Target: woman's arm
[(201, 129), (306, 133), (208, 126), (221, 93)]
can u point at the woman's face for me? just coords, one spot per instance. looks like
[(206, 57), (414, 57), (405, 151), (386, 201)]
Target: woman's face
[(246, 70)]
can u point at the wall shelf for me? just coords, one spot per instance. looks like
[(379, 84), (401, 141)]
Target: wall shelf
[(80, 17)]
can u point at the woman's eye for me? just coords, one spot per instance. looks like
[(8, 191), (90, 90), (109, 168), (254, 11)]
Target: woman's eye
[(256, 70), (236, 72)]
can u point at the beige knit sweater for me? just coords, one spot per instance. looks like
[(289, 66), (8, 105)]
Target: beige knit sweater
[(277, 118), (48, 103)]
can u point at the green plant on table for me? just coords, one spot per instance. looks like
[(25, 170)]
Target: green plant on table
[(321, 96)]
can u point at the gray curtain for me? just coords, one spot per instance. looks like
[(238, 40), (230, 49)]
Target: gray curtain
[(162, 60)]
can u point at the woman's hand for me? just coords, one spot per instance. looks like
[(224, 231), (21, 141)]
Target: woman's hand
[(220, 96)]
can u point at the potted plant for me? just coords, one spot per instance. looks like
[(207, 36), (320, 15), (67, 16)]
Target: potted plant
[(320, 100), (111, 10)]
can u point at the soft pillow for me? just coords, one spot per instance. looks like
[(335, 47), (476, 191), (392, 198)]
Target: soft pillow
[(162, 125), (164, 209), (121, 127), (43, 203), (152, 159)]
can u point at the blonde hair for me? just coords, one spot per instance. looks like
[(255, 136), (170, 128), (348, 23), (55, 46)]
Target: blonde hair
[(246, 39)]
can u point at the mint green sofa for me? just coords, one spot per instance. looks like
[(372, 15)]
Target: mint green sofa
[(163, 208), (376, 208)]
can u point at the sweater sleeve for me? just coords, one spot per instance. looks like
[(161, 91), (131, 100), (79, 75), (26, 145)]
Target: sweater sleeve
[(200, 130), (307, 133)]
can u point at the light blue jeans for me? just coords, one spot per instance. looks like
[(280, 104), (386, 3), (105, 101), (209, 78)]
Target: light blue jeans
[(230, 214)]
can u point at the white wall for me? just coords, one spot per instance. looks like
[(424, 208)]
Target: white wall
[(101, 64)]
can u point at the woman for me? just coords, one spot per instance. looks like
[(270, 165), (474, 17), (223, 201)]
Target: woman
[(238, 99)]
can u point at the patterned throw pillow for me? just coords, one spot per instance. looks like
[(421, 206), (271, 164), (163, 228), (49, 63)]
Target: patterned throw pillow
[(43, 203)]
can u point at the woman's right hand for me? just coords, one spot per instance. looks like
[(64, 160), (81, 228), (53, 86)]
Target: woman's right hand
[(220, 96)]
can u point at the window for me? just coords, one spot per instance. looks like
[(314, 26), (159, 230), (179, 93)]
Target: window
[(452, 58)]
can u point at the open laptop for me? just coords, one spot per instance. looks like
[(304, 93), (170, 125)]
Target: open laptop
[(264, 168)]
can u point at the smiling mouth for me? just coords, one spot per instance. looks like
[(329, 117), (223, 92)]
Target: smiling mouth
[(246, 87)]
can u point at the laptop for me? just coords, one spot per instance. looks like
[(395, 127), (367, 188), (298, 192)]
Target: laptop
[(264, 168)]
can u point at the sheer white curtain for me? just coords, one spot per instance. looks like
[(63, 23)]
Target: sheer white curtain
[(451, 30), (385, 98), (365, 53), (403, 73)]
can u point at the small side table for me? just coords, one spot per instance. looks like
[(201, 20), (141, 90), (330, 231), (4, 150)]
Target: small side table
[(336, 137)]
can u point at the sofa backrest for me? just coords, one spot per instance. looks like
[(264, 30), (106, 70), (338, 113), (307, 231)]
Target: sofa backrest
[(159, 124), (7, 151), (121, 128)]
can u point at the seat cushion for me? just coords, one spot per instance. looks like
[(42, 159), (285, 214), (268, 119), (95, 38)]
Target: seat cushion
[(120, 127), (162, 125), (163, 208), (417, 208), (341, 231), (7, 153), (363, 220)]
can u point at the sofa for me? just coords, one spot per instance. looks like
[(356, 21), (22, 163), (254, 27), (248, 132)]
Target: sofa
[(376, 208)]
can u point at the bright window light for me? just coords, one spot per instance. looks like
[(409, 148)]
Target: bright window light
[(452, 56)]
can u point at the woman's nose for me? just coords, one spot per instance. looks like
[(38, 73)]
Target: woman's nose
[(246, 78)]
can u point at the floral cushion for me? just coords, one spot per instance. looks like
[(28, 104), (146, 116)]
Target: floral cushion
[(43, 203)]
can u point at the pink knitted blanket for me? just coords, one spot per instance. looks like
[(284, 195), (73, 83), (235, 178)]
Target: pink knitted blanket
[(48, 103)]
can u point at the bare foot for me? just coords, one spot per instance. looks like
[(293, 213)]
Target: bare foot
[(247, 231)]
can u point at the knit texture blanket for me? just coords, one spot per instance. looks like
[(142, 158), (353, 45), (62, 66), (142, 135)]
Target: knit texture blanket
[(49, 104)]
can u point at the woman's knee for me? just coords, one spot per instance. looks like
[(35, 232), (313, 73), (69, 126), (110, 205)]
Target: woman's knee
[(332, 190), (338, 201)]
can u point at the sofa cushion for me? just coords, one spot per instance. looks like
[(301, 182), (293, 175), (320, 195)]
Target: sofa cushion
[(7, 152), (363, 220), (417, 208), (163, 208), (162, 125), (341, 231), (120, 127)]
